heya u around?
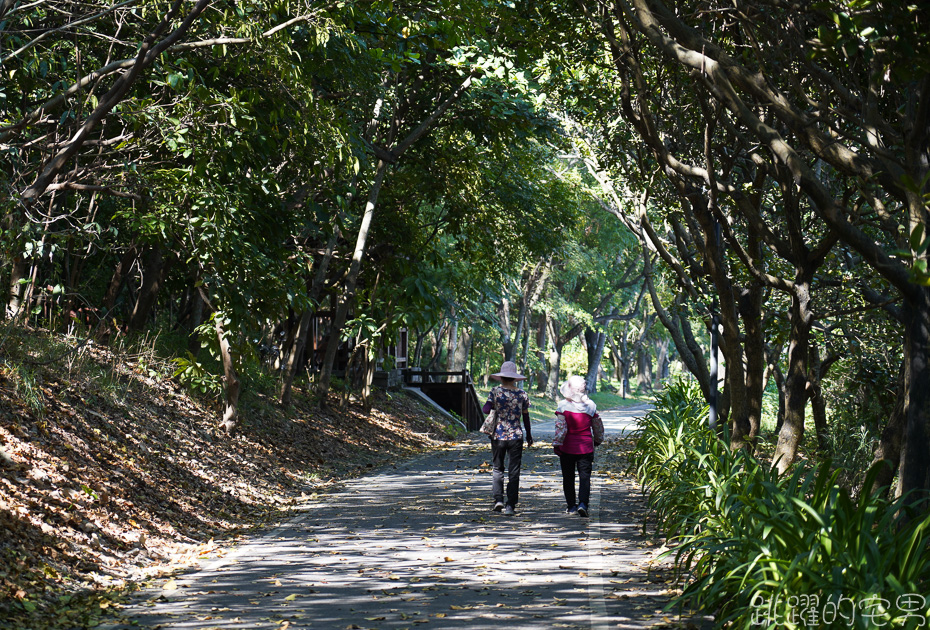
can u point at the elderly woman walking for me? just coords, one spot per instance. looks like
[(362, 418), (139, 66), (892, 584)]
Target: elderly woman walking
[(578, 429), (511, 405)]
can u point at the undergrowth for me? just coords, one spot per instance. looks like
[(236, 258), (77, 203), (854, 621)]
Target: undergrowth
[(779, 552)]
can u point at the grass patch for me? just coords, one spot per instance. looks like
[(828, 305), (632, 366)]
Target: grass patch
[(610, 400)]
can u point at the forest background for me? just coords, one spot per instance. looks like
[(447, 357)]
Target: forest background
[(259, 190)]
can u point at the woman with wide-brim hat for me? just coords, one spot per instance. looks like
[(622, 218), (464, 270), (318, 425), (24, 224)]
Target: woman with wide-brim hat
[(578, 429), (512, 405)]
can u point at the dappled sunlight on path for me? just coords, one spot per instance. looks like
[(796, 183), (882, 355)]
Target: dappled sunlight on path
[(416, 545)]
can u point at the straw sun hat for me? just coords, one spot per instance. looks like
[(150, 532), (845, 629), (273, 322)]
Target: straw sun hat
[(508, 370)]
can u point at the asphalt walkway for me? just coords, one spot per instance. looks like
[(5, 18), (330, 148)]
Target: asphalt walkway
[(416, 546)]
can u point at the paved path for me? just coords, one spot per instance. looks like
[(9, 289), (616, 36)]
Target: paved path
[(416, 546)]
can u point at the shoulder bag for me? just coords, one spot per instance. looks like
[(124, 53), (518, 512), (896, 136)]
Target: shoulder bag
[(489, 426)]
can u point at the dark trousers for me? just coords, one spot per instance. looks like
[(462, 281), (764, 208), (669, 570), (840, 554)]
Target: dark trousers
[(513, 451), (583, 463)]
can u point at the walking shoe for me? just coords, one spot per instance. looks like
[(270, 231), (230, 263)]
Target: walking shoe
[(571, 509), (498, 506), (582, 509), (508, 511)]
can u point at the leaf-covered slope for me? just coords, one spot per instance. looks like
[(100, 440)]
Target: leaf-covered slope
[(111, 473)]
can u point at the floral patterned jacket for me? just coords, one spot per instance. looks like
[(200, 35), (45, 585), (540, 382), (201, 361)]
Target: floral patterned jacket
[(511, 405)]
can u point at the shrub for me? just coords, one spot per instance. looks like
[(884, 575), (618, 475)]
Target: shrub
[(771, 551)]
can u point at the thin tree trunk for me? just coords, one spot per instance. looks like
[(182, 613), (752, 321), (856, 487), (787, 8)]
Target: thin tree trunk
[(156, 268), (780, 385), (662, 360), (554, 357), (889, 444), (625, 360), (436, 349), (503, 317), (555, 366), (541, 342), (294, 358), (17, 285), (818, 371), (452, 346), (418, 349), (754, 345), (521, 327), (351, 281), (233, 385), (195, 319), (296, 355), (118, 280), (615, 359), (342, 310), (368, 372)]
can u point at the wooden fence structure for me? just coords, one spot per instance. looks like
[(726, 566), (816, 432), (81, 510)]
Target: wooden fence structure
[(453, 391)]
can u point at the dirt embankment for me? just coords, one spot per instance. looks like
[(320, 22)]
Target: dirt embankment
[(112, 473)]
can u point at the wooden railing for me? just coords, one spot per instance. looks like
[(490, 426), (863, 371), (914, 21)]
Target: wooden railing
[(453, 391)]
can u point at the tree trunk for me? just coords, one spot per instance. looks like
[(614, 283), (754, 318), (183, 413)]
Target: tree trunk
[(541, 342), (345, 303), (555, 366), (615, 359), (460, 358), (594, 343), (662, 359), (792, 431), (675, 321), (751, 302), (370, 364), (156, 267), (436, 349), (525, 353), (889, 445), (817, 372), (17, 285), (418, 348), (503, 318), (195, 319), (553, 357), (342, 310), (914, 474), (782, 397), (521, 331), (645, 375), (233, 385), (625, 361), (451, 347), (118, 280), (295, 357), (643, 358)]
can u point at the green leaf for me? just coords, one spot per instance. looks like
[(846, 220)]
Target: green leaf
[(916, 236)]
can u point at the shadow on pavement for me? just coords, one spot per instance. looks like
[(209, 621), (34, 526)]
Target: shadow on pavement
[(416, 545)]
